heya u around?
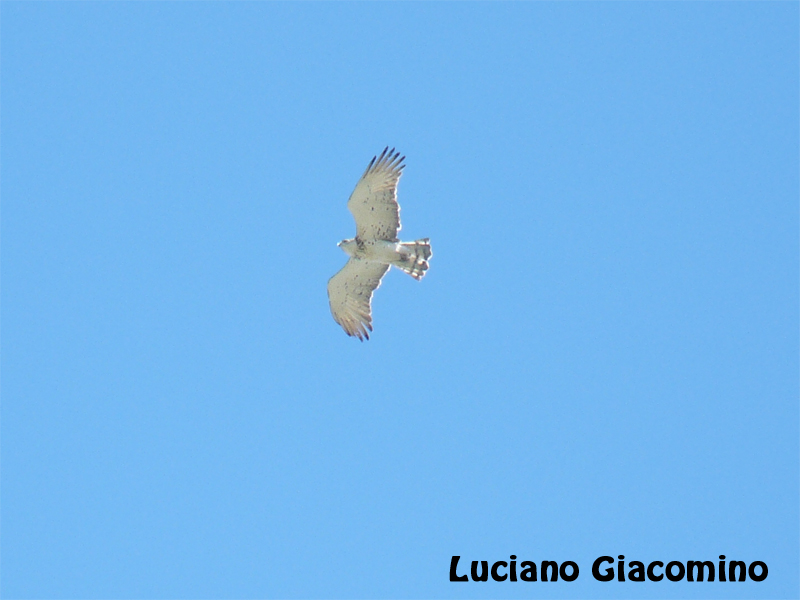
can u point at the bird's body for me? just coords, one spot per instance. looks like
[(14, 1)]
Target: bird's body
[(408, 256), (375, 247)]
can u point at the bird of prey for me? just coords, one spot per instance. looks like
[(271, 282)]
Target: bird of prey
[(375, 247)]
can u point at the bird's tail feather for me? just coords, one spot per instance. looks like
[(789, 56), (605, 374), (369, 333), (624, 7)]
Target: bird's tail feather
[(414, 257)]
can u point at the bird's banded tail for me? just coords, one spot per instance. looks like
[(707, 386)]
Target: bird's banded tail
[(414, 257)]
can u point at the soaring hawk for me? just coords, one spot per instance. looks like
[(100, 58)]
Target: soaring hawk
[(375, 247)]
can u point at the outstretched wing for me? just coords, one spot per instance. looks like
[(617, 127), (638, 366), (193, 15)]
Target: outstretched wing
[(374, 201), (350, 293)]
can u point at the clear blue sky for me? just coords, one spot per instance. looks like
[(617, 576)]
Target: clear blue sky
[(603, 358)]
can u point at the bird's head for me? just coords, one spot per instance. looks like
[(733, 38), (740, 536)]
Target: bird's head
[(348, 246)]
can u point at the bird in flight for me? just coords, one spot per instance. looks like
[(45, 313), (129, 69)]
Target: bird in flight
[(375, 247)]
